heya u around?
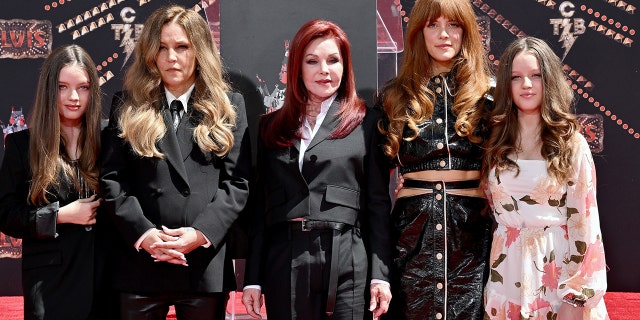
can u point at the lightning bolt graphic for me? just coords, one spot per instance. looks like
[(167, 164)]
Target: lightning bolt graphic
[(127, 43), (567, 37)]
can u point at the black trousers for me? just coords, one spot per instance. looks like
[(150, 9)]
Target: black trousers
[(297, 275), (199, 306)]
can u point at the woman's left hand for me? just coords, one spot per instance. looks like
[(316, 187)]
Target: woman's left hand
[(380, 299), (183, 240)]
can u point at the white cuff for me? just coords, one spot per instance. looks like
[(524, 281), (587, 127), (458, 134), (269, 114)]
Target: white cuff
[(380, 281), (253, 286), (142, 237)]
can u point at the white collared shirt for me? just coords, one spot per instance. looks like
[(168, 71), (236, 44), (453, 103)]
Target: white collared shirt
[(184, 98), (308, 133)]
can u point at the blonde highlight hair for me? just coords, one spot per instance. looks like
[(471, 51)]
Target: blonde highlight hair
[(140, 118), (48, 159), (408, 100), (558, 123)]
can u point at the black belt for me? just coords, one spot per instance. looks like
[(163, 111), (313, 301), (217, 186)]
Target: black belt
[(421, 184), (337, 227), (308, 225)]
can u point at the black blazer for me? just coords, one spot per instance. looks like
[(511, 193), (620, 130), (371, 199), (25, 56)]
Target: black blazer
[(342, 180), (58, 262), (187, 188)]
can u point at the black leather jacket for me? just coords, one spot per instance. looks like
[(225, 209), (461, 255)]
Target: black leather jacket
[(437, 146)]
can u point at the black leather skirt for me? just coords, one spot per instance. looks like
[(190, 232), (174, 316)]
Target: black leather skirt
[(442, 246)]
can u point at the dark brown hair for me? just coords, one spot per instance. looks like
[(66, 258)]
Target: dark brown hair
[(558, 124), (46, 157)]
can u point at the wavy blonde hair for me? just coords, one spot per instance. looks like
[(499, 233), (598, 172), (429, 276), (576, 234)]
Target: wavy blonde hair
[(47, 156), (140, 118), (407, 98), (558, 123)]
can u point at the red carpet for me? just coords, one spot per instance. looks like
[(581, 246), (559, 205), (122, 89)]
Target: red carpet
[(11, 308), (621, 306)]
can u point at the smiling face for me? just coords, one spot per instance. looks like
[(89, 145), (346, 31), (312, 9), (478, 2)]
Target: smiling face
[(443, 39), (322, 68), (176, 59), (74, 93), (526, 83)]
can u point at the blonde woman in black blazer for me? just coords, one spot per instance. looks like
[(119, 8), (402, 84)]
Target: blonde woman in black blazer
[(173, 193), (320, 240)]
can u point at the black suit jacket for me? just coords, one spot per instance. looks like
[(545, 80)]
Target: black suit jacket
[(58, 262), (342, 180), (187, 188)]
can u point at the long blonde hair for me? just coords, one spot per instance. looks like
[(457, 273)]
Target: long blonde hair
[(558, 124), (140, 118), (46, 160), (408, 100)]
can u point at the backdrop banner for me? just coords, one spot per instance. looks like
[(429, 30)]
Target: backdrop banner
[(597, 41)]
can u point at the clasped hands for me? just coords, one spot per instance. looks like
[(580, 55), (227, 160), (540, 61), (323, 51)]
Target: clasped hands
[(172, 245)]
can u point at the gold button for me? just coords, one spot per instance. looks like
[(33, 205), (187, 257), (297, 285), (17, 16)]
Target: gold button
[(438, 315), (443, 163), (440, 145), (439, 286), (439, 186), (438, 121), (438, 80), (438, 197), (438, 90), (439, 256), (438, 226)]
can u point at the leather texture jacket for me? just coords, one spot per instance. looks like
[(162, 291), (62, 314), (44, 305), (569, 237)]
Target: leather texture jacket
[(437, 146)]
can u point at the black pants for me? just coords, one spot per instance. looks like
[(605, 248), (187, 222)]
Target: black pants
[(297, 275), (199, 306)]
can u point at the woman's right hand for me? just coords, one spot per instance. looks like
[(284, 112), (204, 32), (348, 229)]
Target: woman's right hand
[(252, 300), (81, 211)]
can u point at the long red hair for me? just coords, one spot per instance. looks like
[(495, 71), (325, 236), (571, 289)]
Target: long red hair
[(283, 129)]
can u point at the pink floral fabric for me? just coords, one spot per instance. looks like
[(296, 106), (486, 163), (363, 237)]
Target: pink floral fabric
[(548, 243)]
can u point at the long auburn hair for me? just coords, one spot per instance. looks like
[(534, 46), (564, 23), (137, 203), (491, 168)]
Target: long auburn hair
[(407, 98), (140, 118), (558, 123), (285, 124), (47, 155)]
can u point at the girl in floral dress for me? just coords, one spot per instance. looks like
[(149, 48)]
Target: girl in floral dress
[(547, 258)]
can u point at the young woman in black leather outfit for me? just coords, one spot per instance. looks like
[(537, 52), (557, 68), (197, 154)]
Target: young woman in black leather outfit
[(436, 108)]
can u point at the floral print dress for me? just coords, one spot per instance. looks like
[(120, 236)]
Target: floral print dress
[(548, 244)]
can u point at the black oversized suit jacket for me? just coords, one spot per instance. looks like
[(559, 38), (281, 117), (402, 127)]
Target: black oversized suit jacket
[(342, 180), (188, 188), (58, 260)]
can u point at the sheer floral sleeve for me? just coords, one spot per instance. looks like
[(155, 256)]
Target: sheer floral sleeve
[(584, 282)]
